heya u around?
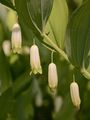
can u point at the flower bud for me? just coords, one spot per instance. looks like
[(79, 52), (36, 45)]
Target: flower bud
[(58, 101), (52, 76), (16, 39), (74, 91), (35, 60), (38, 100), (6, 47)]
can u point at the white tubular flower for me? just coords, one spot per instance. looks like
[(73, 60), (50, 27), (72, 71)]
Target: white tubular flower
[(6, 47), (52, 76), (16, 39), (75, 97), (35, 60)]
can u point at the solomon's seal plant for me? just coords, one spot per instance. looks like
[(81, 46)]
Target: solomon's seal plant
[(62, 26)]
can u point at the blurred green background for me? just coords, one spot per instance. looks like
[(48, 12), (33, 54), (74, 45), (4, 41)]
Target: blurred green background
[(25, 97)]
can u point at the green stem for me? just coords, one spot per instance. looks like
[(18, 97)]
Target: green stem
[(85, 73), (60, 51), (52, 57), (73, 78)]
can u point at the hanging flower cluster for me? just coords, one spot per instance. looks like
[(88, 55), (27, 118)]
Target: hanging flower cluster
[(35, 63), (52, 75), (36, 67)]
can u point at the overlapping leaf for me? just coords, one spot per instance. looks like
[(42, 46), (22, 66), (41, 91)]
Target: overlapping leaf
[(33, 13), (39, 11)]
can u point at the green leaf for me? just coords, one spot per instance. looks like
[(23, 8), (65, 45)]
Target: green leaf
[(1, 33), (6, 104), (34, 14), (5, 75), (39, 11), (58, 22), (7, 3), (67, 109), (78, 42), (22, 82), (23, 109)]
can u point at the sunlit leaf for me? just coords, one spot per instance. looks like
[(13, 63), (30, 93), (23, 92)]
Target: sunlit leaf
[(57, 23)]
